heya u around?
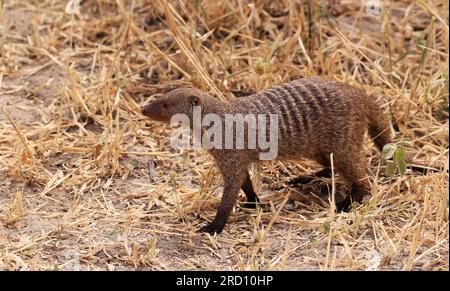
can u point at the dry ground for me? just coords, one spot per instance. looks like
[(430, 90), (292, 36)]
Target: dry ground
[(84, 177)]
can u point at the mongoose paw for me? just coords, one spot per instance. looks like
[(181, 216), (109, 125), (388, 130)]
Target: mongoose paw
[(300, 180), (344, 206), (251, 204), (212, 228)]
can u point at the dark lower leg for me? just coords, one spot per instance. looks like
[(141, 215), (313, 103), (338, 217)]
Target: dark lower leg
[(353, 171), (230, 193), (252, 198), (357, 193), (324, 173)]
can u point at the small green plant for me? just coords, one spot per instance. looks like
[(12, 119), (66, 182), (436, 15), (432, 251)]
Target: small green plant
[(396, 156), (261, 66), (326, 226)]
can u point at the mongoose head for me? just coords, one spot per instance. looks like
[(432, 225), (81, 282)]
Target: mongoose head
[(178, 101)]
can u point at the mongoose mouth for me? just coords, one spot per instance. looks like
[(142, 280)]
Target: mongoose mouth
[(155, 115), (158, 117)]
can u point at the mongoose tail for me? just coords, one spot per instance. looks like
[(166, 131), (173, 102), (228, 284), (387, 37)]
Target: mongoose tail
[(378, 124), (379, 131)]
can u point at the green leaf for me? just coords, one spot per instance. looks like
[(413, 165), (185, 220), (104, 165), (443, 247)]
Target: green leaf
[(401, 165), (389, 151), (399, 155), (400, 160), (390, 168)]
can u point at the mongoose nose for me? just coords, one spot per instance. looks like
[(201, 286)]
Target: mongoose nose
[(145, 110), (148, 111)]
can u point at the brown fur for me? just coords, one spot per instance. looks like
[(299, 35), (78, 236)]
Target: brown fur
[(317, 117)]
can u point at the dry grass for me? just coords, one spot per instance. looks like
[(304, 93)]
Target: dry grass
[(82, 172)]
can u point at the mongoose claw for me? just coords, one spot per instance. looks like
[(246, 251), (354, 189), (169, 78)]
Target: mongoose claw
[(211, 228)]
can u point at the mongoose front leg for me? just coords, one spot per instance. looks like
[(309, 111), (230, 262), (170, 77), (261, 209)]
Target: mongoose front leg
[(229, 197), (234, 173), (252, 198)]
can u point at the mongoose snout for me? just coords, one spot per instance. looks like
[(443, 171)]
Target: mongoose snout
[(178, 101), (316, 117), (156, 111)]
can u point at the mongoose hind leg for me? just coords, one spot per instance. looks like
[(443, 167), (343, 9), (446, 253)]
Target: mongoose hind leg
[(252, 198), (357, 193), (353, 171), (324, 160), (324, 173)]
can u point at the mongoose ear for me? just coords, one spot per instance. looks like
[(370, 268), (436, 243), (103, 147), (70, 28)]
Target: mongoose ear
[(195, 100)]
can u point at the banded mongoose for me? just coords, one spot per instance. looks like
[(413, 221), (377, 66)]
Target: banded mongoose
[(316, 117)]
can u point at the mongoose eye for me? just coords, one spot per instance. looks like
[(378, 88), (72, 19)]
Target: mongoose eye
[(165, 105)]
